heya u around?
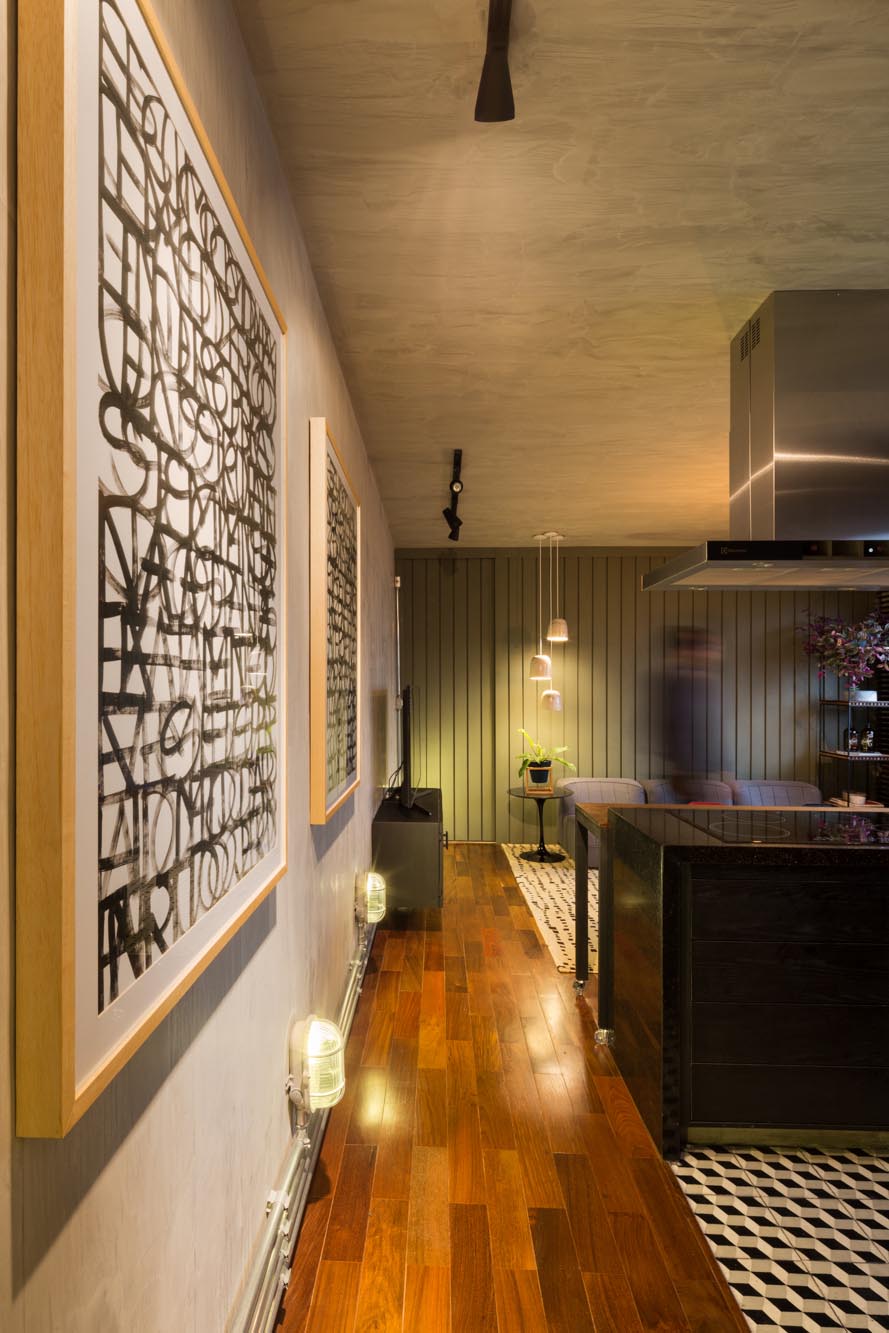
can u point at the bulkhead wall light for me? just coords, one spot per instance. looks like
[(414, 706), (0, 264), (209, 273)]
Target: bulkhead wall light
[(317, 1065), (374, 897)]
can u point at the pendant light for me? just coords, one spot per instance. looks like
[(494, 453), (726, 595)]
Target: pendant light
[(558, 628), (552, 700), (541, 665)]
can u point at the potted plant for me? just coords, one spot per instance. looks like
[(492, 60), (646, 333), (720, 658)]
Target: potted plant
[(537, 761), (851, 651)]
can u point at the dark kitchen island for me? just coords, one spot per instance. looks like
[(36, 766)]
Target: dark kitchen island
[(745, 961)]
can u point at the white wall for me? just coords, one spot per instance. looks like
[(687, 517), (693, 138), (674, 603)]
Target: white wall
[(143, 1217)]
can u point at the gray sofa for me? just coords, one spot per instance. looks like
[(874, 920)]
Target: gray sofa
[(659, 791)]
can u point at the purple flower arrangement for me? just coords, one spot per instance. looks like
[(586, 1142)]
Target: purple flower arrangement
[(853, 652), (855, 830)]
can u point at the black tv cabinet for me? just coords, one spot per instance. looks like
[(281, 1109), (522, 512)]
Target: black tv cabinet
[(406, 847)]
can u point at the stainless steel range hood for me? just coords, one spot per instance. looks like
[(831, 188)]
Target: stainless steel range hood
[(808, 451)]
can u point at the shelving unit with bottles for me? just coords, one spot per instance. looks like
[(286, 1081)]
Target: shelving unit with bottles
[(839, 768)]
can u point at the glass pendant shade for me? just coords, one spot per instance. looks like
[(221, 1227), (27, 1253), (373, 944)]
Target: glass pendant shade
[(552, 700), (375, 897), (324, 1063), (541, 667), (558, 630)]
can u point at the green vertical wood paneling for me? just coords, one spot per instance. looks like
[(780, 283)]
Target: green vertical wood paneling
[(571, 719), (431, 612), (414, 672), (613, 713), (487, 702), (772, 709), (640, 686), (446, 698), (469, 627), (516, 714), (701, 686), (629, 666), (743, 698), (461, 692), (600, 665), (406, 629), (501, 756), (582, 703), (713, 623), (728, 677), (653, 761), (804, 737), (545, 725), (474, 698), (787, 654)]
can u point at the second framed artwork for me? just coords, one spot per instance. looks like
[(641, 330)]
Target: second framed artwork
[(335, 583)]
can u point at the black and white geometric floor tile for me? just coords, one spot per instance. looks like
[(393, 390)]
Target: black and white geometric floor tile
[(549, 891), (802, 1236)]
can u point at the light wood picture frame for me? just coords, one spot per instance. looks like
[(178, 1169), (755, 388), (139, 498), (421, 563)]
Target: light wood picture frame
[(150, 773), (335, 656)]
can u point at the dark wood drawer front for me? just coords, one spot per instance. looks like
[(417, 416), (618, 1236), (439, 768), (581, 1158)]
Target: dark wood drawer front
[(779, 903), (854, 1098), (752, 973), (790, 1034)]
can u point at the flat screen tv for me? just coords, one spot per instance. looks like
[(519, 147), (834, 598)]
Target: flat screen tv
[(406, 792)]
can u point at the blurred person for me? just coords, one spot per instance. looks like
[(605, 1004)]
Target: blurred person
[(692, 671)]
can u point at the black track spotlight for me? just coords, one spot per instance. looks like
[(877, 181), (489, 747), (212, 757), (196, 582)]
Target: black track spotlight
[(454, 523), (456, 490), (495, 101)]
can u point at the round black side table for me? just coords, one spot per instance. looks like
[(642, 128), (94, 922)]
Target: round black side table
[(540, 852)]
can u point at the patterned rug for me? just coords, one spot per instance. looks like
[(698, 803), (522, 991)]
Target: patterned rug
[(549, 891), (803, 1237)]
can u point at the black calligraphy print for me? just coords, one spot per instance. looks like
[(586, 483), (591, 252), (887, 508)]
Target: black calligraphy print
[(342, 632), (188, 621)]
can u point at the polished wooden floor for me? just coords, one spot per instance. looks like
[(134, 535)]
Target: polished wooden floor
[(487, 1169)]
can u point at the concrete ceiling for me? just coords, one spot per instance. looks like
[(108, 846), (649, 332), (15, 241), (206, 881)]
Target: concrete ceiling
[(556, 295)]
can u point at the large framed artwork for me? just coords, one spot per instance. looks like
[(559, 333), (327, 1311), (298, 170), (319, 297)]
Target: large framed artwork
[(334, 574), (150, 728)]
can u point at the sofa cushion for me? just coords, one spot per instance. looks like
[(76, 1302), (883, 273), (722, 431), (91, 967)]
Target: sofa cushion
[(660, 791), (775, 791), (709, 790)]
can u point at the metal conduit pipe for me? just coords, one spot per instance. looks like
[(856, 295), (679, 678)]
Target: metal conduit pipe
[(257, 1309)]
